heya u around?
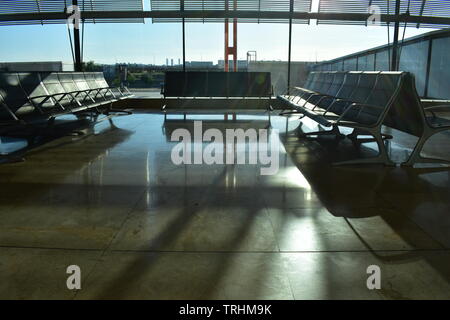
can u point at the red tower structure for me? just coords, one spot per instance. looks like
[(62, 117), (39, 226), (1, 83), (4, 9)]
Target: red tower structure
[(231, 50)]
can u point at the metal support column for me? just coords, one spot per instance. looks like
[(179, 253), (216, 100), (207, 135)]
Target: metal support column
[(427, 79), (226, 67), (226, 40), (77, 43), (184, 37), (291, 9), (235, 40), (230, 50), (395, 62)]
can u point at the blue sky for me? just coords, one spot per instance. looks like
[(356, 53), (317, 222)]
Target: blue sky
[(153, 43)]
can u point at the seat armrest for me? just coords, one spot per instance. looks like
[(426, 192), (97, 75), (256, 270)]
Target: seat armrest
[(38, 97), (355, 104), (433, 102), (442, 106), (434, 109)]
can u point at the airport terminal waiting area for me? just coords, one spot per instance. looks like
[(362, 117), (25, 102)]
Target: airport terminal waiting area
[(90, 178)]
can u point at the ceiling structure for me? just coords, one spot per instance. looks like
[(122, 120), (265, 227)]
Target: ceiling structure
[(416, 13)]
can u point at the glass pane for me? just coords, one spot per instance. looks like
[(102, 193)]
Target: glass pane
[(35, 48), (383, 60), (366, 63), (413, 58), (271, 55), (440, 69), (350, 64)]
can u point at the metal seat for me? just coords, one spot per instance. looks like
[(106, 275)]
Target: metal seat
[(65, 99), (114, 92), (367, 101), (97, 92), (36, 95), (360, 103), (196, 84), (15, 102)]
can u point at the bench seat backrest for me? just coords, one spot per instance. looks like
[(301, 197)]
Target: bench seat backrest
[(54, 87), (391, 96), (90, 80), (377, 91), (216, 87), (80, 81), (259, 84), (350, 84), (32, 85), (74, 82), (238, 85), (26, 93), (4, 114), (346, 92), (99, 91), (217, 84), (102, 84), (317, 82), (101, 80), (327, 82), (366, 84), (309, 80), (407, 113), (336, 85), (13, 95)]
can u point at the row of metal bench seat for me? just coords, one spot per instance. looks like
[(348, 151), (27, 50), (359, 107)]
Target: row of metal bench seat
[(35, 95), (365, 101)]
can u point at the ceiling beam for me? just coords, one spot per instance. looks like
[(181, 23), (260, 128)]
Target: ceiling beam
[(225, 14)]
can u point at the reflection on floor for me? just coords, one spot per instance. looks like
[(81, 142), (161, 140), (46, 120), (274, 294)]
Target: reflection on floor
[(139, 226)]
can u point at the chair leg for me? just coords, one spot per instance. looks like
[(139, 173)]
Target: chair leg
[(288, 113), (269, 109), (334, 131), (381, 158), (51, 122), (118, 112), (110, 110), (432, 160), (415, 156), (357, 132)]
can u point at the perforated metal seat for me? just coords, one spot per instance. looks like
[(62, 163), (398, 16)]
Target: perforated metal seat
[(361, 103), (64, 99), (13, 95), (98, 93), (38, 95), (368, 100), (204, 84), (67, 80), (28, 96), (113, 92)]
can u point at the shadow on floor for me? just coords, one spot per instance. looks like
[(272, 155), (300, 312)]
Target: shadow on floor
[(400, 196)]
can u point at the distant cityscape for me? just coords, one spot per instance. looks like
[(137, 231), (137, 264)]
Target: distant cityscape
[(110, 68), (170, 64)]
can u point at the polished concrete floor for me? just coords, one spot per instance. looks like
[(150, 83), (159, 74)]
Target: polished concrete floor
[(140, 227)]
